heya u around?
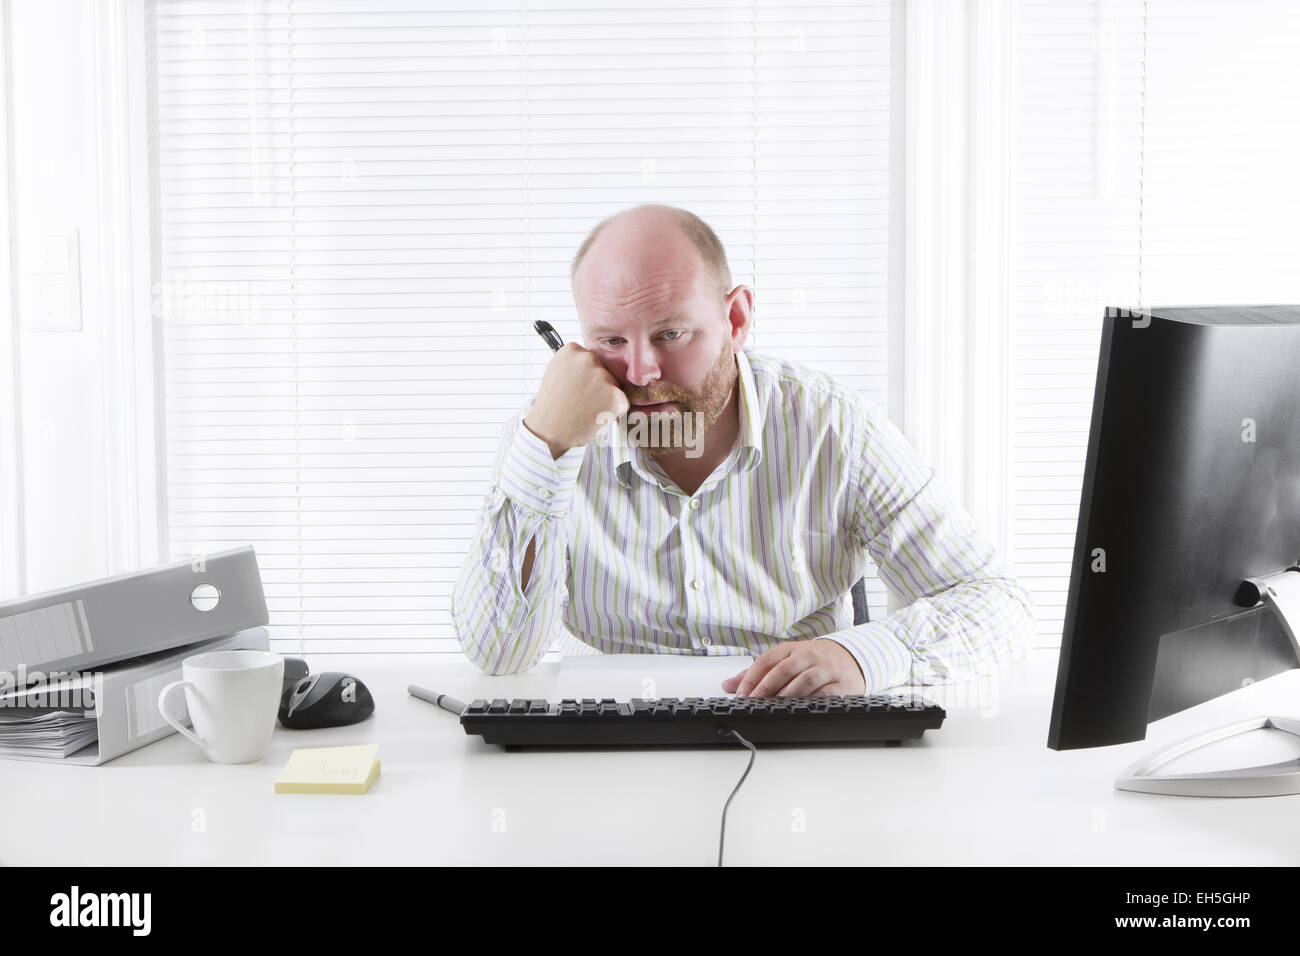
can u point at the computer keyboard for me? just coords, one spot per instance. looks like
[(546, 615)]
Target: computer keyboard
[(700, 720)]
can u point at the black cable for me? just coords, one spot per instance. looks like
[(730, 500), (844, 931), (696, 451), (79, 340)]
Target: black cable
[(722, 835)]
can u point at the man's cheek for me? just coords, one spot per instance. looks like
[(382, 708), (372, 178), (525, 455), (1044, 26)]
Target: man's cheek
[(612, 365)]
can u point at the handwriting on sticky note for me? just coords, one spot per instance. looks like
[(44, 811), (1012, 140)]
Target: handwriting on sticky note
[(351, 772)]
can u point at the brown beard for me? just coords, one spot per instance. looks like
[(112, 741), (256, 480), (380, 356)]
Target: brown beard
[(705, 405)]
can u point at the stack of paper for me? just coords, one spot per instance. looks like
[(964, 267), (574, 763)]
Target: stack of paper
[(43, 732)]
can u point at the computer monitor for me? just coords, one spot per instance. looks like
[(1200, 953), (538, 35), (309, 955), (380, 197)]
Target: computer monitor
[(1191, 491)]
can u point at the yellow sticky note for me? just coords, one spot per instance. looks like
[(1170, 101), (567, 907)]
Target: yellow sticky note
[(330, 770)]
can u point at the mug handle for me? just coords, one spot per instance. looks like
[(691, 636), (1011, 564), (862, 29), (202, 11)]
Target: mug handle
[(162, 708)]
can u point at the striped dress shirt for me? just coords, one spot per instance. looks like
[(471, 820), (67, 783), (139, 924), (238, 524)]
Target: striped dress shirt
[(766, 550)]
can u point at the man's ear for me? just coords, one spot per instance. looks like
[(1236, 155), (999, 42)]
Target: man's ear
[(740, 314)]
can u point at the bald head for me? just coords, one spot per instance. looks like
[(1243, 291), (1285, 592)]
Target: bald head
[(637, 244)]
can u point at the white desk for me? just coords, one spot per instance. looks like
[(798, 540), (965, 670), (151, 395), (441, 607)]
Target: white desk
[(983, 789)]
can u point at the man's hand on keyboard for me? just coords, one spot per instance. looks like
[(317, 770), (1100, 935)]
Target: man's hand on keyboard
[(799, 669)]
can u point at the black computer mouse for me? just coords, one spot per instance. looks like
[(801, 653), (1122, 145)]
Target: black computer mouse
[(295, 669), (325, 700)]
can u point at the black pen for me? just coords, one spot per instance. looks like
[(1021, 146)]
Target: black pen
[(549, 335)]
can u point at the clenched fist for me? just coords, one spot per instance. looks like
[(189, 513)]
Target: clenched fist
[(577, 396)]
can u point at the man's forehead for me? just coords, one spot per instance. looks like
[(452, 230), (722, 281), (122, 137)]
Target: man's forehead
[(633, 271), (651, 297), (626, 291)]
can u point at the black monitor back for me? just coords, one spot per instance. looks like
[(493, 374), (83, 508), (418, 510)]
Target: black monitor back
[(1192, 484)]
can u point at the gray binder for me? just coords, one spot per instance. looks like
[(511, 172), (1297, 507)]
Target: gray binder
[(89, 625), (124, 700)]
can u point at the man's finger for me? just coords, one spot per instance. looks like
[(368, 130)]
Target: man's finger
[(832, 689), (764, 663), (805, 682), (780, 676), (733, 681)]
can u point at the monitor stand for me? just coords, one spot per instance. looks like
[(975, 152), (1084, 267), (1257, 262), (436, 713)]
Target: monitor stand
[(1281, 592)]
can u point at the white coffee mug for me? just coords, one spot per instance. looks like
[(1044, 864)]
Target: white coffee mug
[(233, 698)]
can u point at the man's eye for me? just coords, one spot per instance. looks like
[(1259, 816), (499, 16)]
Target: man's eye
[(672, 336)]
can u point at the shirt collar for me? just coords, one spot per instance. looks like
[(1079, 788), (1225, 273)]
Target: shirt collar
[(750, 438)]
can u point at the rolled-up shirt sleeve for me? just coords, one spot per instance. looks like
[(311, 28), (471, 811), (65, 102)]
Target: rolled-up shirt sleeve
[(965, 615), (502, 628)]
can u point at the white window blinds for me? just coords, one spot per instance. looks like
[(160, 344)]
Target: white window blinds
[(362, 208), (1156, 150)]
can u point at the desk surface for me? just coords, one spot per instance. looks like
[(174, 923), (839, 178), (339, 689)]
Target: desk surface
[(984, 789)]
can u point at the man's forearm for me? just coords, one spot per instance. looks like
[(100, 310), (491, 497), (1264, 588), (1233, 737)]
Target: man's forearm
[(520, 547), (499, 629), (968, 630)]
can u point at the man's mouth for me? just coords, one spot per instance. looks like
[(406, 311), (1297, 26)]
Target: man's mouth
[(653, 406)]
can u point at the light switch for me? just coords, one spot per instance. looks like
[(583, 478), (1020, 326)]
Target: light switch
[(55, 309), (51, 283), (52, 255)]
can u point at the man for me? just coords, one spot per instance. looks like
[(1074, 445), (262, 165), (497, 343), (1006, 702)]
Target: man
[(739, 525)]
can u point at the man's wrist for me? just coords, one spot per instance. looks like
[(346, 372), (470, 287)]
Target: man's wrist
[(531, 476), (557, 449), (856, 671), (883, 660)]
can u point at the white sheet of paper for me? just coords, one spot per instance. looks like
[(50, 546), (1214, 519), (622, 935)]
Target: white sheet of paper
[(628, 676)]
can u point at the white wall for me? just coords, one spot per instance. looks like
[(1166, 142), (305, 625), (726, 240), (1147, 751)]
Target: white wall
[(65, 404)]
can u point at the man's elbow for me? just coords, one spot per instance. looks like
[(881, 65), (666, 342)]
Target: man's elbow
[(498, 667), (1020, 619), (497, 660), (1004, 624)]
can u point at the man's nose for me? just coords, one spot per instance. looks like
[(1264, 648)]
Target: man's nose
[(642, 366)]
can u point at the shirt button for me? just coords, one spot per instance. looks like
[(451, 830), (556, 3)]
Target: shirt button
[(698, 584), (695, 504), (796, 553), (706, 642), (545, 492)]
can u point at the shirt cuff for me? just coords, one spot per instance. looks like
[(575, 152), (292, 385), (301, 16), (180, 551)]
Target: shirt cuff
[(532, 478), (885, 660)]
